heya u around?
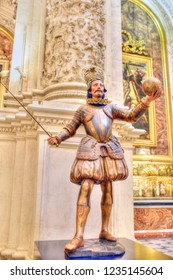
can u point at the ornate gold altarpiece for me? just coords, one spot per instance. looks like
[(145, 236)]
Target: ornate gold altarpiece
[(152, 174)]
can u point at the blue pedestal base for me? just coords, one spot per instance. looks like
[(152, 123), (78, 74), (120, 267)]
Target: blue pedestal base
[(97, 249)]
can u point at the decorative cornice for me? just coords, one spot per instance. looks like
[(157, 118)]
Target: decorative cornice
[(153, 169), (61, 90), (51, 119)]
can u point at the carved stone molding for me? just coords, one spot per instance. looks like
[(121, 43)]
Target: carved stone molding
[(8, 9), (50, 117), (9, 24), (168, 5), (61, 91), (18, 128), (126, 132), (163, 10), (19, 122), (46, 116), (74, 38), (14, 4)]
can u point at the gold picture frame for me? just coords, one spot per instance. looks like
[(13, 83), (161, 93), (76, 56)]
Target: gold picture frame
[(136, 68), (4, 65)]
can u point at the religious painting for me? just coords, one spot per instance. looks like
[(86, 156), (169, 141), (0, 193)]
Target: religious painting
[(136, 69)]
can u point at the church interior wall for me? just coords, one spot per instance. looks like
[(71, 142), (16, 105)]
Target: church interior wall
[(38, 201)]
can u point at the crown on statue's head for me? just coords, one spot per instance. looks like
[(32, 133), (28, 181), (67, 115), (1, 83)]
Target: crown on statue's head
[(92, 73)]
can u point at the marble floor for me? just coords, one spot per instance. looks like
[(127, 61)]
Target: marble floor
[(164, 245)]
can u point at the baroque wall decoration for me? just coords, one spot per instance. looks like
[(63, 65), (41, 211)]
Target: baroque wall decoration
[(142, 28)]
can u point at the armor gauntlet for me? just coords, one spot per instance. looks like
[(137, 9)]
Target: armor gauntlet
[(129, 115), (70, 129)]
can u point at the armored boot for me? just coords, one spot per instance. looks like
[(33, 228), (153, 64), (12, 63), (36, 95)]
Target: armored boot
[(104, 234), (81, 217)]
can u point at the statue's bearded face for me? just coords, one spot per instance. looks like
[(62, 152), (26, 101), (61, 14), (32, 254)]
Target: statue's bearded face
[(97, 89)]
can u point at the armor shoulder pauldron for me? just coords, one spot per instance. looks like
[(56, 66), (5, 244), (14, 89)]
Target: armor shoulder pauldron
[(87, 113), (108, 111)]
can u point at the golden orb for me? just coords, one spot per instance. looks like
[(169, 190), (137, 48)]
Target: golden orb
[(151, 86)]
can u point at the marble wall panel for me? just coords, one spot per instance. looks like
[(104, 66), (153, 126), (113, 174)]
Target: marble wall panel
[(153, 218)]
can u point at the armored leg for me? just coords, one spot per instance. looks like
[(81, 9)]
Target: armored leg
[(106, 207), (83, 208)]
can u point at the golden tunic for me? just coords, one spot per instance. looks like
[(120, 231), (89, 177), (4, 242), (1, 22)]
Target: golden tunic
[(100, 156)]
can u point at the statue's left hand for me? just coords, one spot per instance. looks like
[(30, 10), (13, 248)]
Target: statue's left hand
[(153, 97), (152, 87), (156, 95)]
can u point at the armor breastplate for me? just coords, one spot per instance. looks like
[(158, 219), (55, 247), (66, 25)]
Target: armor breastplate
[(97, 122)]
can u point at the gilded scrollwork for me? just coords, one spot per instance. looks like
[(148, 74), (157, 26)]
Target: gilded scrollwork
[(133, 46)]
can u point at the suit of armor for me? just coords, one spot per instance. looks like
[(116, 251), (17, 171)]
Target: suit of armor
[(100, 156)]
